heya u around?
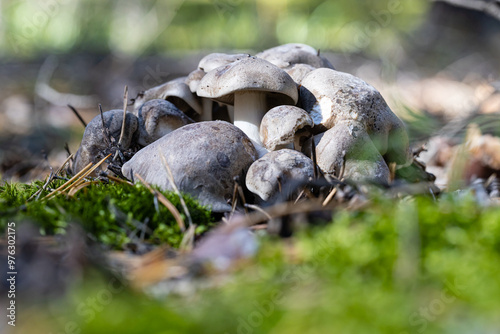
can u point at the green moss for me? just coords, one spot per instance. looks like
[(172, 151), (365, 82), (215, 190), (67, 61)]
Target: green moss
[(409, 267), (113, 213)]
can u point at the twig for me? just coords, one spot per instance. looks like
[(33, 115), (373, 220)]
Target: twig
[(125, 98), (66, 184), (39, 191), (313, 155), (173, 210), (258, 208), (77, 178), (64, 164), (77, 115), (172, 182), (107, 136), (188, 239), (330, 196)]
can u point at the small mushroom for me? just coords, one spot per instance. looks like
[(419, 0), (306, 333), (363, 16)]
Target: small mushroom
[(204, 158), (276, 171), (299, 71), (157, 118), (214, 60), (285, 127), (95, 145), (331, 96), (253, 86), (347, 147), (175, 91), (286, 55)]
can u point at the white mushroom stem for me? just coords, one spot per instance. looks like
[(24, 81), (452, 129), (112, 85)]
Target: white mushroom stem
[(230, 111), (206, 114), (249, 108)]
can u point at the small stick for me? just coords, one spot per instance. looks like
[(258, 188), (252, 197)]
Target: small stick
[(66, 147), (235, 198), (75, 189), (87, 173), (300, 195), (104, 128), (258, 208), (330, 196), (313, 155), (77, 115), (64, 164), (125, 99), (188, 238), (171, 179), (118, 180), (77, 178), (173, 210), (66, 184), (242, 196), (39, 191)]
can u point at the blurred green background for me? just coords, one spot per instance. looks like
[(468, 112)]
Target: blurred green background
[(32, 27)]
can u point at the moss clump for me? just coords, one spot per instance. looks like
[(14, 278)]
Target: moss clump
[(113, 213), (418, 266)]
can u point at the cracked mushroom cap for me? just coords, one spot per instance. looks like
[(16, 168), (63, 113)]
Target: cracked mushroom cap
[(286, 55), (331, 96), (348, 146), (214, 60), (278, 170), (157, 118), (204, 159), (249, 74), (175, 91), (95, 146), (280, 126)]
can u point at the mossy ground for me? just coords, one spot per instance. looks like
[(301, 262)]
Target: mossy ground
[(412, 267), (112, 213)]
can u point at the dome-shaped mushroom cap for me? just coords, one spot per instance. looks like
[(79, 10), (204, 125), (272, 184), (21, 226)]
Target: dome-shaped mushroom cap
[(279, 125), (94, 145), (175, 91), (331, 96), (214, 60), (347, 144), (287, 55), (283, 166), (204, 158), (157, 118), (249, 74)]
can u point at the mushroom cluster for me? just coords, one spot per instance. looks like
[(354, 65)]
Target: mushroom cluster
[(257, 122)]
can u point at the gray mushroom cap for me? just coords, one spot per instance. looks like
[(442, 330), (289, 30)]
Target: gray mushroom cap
[(278, 170), (193, 79), (249, 74), (299, 71), (204, 159), (280, 126), (157, 118), (175, 91), (214, 60), (286, 55), (348, 146), (94, 146), (331, 96)]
